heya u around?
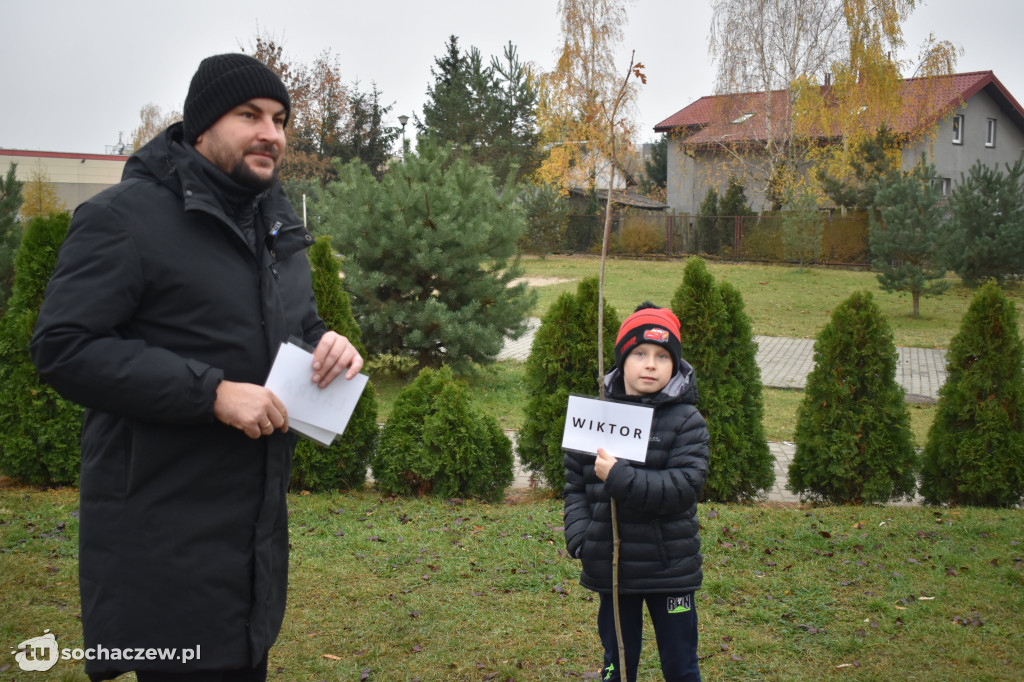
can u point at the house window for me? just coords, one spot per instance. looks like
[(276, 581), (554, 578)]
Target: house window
[(990, 136), (947, 186), (958, 129)]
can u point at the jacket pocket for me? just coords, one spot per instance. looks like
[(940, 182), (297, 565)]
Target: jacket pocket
[(659, 540)]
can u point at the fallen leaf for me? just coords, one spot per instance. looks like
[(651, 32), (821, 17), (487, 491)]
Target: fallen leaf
[(332, 657)]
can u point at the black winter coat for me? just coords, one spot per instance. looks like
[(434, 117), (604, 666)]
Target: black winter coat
[(156, 298), (657, 499)]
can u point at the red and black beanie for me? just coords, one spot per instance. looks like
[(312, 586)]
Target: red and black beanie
[(649, 324)]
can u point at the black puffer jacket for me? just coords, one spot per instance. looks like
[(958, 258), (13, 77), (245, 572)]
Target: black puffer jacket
[(657, 499), (157, 297)]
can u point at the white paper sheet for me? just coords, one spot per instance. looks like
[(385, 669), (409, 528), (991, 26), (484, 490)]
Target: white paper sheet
[(319, 413), (621, 429)]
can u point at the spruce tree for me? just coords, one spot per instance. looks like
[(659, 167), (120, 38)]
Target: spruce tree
[(708, 240), (905, 232), (563, 360), (985, 234), (431, 253), (344, 463), (853, 440), (39, 430), (10, 232), (435, 443), (731, 206), (718, 343), (486, 110), (802, 228), (975, 449)]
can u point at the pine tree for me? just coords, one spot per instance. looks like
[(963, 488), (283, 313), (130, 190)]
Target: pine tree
[(39, 430), (718, 343), (10, 232), (975, 449), (853, 441), (344, 463), (435, 443), (905, 231), (985, 235), (431, 255), (563, 360), (875, 159)]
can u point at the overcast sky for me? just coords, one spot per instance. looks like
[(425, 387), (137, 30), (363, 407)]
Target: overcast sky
[(75, 72)]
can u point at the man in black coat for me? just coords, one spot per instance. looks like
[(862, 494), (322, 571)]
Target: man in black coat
[(171, 295)]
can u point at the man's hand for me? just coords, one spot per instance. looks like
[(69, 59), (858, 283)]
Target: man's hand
[(333, 355), (250, 408), (603, 464)]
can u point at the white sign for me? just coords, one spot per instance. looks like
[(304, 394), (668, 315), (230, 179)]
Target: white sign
[(318, 413), (621, 429)]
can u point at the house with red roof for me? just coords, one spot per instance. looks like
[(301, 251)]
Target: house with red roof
[(956, 120)]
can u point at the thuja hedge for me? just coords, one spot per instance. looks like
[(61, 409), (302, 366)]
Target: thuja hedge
[(975, 449), (436, 443), (563, 360), (718, 341), (853, 440), (345, 462), (39, 430)]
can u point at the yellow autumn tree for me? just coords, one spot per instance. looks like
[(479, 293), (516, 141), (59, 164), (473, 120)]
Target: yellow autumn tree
[(39, 196), (152, 121), (867, 90), (577, 98), (761, 49)]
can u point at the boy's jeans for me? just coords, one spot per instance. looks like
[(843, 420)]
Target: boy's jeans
[(675, 628)]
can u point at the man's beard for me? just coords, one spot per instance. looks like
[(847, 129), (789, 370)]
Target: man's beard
[(246, 177)]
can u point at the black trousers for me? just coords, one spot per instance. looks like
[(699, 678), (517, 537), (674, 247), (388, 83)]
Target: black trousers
[(675, 628)]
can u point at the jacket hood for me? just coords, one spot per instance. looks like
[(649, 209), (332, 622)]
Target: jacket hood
[(680, 388), (170, 162)]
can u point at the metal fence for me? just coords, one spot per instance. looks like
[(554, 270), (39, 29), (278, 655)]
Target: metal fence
[(751, 238)]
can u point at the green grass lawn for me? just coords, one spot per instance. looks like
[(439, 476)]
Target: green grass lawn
[(781, 300), (395, 589)]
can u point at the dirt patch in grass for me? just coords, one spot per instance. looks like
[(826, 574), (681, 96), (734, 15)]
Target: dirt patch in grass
[(539, 281)]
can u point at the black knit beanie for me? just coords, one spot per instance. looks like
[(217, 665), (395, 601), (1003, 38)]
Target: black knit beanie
[(224, 81), (649, 324)]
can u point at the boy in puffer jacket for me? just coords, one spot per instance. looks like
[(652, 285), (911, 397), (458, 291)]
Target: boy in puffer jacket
[(660, 559)]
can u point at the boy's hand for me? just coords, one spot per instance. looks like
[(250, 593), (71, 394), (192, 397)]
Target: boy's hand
[(603, 464)]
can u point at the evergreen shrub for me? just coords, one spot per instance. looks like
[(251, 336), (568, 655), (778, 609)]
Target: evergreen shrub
[(563, 360), (853, 439), (435, 443), (344, 463), (718, 342), (975, 449), (431, 257), (39, 430)]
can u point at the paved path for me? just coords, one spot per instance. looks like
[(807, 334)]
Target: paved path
[(785, 363)]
